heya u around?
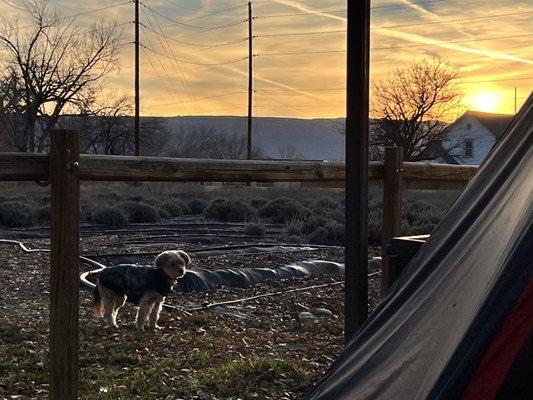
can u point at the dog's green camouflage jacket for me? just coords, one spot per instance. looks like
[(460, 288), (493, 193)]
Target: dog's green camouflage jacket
[(129, 279)]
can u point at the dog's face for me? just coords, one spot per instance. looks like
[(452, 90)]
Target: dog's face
[(173, 262)]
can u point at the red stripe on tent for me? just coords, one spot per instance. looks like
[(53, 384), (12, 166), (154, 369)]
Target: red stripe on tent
[(503, 350)]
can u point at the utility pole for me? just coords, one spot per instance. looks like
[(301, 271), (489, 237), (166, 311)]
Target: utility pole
[(250, 82), (137, 88)]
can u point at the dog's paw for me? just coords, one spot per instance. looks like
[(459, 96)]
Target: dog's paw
[(155, 328), (140, 328)]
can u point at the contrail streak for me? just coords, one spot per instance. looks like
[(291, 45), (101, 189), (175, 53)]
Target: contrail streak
[(414, 37), (441, 43), (435, 17)]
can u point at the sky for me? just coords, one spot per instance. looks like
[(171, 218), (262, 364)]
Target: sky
[(193, 59)]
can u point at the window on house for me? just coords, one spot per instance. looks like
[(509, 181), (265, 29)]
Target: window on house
[(469, 148), (468, 127)]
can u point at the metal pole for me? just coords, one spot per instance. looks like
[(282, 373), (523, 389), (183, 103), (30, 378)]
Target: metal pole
[(356, 242), (250, 83), (137, 84)]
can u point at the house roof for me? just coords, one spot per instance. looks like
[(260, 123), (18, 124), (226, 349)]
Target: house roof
[(496, 123)]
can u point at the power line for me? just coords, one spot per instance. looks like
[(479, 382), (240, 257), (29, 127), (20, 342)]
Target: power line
[(500, 80), (407, 5), (451, 42), (194, 10), (204, 28), (217, 12), (453, 20), (299, 53), (202, 98), (398, 47), (168, 77), (300, 33), (421, 3), (299, 90), (72, 15), (176, 66), (192, 62), (396, 26), (210, 45), (300, 14)]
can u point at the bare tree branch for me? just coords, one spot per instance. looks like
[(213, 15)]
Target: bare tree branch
[(55, 64), (410, 107)]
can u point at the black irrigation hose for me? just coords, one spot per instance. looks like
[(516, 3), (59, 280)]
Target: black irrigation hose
[(85, 282), (278, 293)]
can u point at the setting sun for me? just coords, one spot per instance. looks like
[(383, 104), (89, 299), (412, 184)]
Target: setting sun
[(484, 101)]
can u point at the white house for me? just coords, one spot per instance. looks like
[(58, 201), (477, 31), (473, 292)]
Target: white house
[(470, 138)]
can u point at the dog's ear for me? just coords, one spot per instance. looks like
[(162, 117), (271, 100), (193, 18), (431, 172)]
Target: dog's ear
[(185, 257), (162, 259)]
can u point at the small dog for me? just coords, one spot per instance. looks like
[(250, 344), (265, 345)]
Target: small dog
[(147, 284)]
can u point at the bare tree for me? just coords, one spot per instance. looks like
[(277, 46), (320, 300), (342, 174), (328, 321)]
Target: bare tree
[(106, 127), (56, 64), (11, 117), (410, 107), (288, 152), (205, 142)]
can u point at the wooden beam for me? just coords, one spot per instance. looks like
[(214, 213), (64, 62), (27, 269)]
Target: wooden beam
[(441, 172), (392, 206), (65, 268), (24, 167), (357, 125), (433, 184), (33, 167), (30, 167), (120, 168)]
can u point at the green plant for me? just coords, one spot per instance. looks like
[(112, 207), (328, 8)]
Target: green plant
[(231, 211), (43, 215), (258, 203), (16, 214), (113, 217), (330, 234), (138, 212), (312, 223), (294, 227), (283, 209), (197, 206), (254, 229), (173, 208)]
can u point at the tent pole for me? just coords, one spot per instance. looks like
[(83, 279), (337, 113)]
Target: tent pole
[(357, 88)]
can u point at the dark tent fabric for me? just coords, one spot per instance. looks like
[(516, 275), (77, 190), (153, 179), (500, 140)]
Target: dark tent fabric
[(467, 290)]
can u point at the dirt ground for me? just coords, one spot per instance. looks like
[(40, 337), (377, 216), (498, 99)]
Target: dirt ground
[(260, 351)]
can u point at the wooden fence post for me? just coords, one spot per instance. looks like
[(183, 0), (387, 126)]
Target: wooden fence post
[(392, 206), (64, 273)]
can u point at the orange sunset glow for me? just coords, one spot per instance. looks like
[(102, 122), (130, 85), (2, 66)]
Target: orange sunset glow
[(194, 52)]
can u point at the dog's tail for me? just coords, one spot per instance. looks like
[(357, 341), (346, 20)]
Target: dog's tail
[(97, 302)]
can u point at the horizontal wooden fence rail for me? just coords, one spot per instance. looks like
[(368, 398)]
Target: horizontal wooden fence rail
[(35, 167)]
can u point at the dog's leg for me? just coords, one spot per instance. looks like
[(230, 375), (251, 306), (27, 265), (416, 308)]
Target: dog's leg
[(154, 315), (146, 304), (108, 301), (119, 301)]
